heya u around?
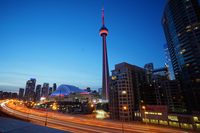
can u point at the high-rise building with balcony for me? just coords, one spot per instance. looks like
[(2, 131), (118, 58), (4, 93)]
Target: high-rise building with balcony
[(131, 87), (124, 95), (181, 23)]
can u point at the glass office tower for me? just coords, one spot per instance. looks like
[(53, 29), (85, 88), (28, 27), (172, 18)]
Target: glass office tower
[(181, 23)]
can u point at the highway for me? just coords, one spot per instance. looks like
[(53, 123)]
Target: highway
[(80, 124)]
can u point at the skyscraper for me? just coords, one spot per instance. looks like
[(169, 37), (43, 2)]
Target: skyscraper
[(105, 75), (1, 94), (30, 88), (45, 90), (38, 92), (21, 93), (181, 23), (54, 87), (50, 90)]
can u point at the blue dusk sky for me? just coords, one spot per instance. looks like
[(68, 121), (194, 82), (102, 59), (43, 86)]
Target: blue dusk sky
[(58, 40)]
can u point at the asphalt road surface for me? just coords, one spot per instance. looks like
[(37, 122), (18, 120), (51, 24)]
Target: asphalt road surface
[(82, 125)]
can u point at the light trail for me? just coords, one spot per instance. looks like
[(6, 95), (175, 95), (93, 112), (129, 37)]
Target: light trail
[(80, 124)]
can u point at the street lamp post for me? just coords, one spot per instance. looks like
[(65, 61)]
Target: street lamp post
[(124, 108), (46, 117), (27, 110), (14, 108), (144, 108), (122, 121)]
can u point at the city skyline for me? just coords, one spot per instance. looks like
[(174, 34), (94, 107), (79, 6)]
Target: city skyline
[(100, 66), (49, 28)]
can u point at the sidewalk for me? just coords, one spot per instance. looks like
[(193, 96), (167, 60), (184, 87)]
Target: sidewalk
[(8, 125)]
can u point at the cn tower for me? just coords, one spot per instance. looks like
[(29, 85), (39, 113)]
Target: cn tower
[(105, 75)]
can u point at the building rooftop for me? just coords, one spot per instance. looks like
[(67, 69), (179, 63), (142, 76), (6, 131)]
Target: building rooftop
[(64, 90)]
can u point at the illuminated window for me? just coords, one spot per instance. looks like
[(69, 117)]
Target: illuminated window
[(153, 113), (174, 124), (196, 28), (183, 50), (163, 122), (145, 120), (197, 80), (125, 108), (186, 125), (103, 31), (154, 121), (114, 77), (124, 92), (187, 65), (187, 27), (173, 118), (159, 113), (137, 114), (195, 118), (198, 126)]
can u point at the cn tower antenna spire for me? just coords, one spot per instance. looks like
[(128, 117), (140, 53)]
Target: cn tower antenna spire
[(103, 22)]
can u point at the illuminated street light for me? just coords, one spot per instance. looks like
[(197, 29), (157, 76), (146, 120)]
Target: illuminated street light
[(143, 107), (94, 100), (92, 105), (46, 120), (124, 108), (54, 106)]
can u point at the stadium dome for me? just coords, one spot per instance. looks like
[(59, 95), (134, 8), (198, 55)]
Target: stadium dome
[(65, 90)]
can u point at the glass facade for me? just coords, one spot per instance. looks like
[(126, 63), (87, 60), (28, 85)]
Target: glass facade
[(181, 23)]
